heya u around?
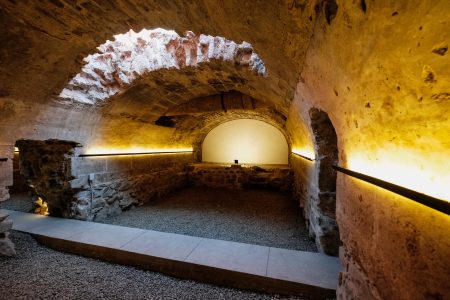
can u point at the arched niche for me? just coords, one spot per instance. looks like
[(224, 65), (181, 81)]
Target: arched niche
[(246, 140)]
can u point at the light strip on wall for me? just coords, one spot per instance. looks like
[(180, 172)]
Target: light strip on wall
[(434, 203), (303, 156), (135, 153)]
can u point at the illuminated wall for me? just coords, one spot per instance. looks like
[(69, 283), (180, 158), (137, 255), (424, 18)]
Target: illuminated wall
[(248, 141)]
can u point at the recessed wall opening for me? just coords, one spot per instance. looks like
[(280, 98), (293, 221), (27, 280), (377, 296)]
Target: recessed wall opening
[(245, 141), (322, 206)]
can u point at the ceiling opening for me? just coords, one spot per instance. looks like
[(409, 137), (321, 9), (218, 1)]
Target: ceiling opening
[(119, 63)]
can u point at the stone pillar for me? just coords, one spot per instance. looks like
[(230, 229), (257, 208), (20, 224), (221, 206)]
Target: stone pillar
[(47, 167), (6, 180)]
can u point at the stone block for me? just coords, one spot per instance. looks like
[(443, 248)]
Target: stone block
[(5, 225), (4, 194), (81, 182), (6, 173), (87, 165), (118, 164), (6, 246)]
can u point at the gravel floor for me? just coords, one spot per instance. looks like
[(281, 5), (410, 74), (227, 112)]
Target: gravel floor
[(41, 273), (261, 217)]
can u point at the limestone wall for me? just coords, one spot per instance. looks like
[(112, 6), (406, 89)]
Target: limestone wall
[(380, 70), (394, 248), (19, 182), (105, 186), (319, 213), (92, 188), (238, 177), (6, 166), (6, 180)]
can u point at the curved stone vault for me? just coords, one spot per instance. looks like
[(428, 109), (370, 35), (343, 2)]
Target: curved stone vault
[(132, 56), (379, 70)]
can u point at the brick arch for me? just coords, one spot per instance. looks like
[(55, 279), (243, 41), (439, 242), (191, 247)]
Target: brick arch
[(132, 56)]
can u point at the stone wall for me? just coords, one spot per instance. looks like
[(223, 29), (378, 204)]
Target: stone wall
[(394, 248), (6, 180), (320, 220), (107, 185), (6, 166), (92, 188), (46, 165), (19, 182), (380, 76), (237, 177)]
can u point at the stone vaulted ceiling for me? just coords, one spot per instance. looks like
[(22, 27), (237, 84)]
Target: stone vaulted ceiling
[(43, 45)]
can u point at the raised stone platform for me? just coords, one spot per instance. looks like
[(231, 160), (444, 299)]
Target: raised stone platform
[(240, 265)]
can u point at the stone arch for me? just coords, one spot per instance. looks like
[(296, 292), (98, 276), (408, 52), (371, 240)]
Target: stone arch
[(247, 141), (198, 127), (323, 209), (132, 56)]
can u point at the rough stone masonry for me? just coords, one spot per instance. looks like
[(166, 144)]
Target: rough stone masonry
[(6, 155)]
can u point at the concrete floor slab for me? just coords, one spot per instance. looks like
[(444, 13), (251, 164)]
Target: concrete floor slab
[(234, 264), (231, 256), (161, 244), (110, 236), (59, 228), (298, 266)]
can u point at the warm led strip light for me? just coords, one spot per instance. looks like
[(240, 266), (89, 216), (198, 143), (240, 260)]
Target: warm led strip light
[(135, 153), (435, 203), (302, 156)]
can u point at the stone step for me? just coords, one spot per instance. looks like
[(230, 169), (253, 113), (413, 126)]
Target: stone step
[(246, 266)]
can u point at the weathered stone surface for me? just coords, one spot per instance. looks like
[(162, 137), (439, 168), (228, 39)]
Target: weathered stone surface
[(238, 177), (6, 167), (4, 194), (46, 165), (6, 246), (132, 55), (122, 182), (19, 182), (359, 61), (388, 125), (5, 225), (322, 203)]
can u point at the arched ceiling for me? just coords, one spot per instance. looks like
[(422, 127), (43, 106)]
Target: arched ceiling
[(44, 46), (49, 40), (133, 57), (380, 71)]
